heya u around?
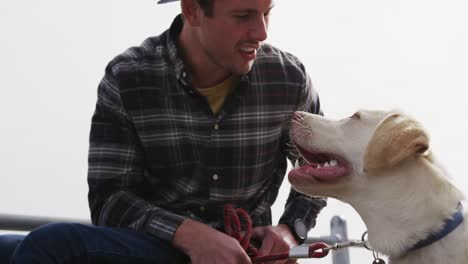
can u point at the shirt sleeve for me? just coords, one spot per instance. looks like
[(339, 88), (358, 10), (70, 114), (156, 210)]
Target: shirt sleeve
[(116, 174), (298, 205)]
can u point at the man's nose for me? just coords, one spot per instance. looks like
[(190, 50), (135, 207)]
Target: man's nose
[(259, 29)]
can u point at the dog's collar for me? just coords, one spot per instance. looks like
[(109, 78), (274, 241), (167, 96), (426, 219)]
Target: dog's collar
[(450, 224)]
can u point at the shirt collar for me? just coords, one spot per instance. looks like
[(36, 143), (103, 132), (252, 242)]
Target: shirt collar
[(174, 54)]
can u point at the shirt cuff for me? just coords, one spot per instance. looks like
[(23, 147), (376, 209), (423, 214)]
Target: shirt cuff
[(302, 207), (164, 225)]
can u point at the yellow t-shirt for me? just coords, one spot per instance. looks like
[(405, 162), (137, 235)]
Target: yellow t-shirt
[(215, 95)]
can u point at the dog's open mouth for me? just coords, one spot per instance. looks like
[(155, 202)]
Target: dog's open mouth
[(323, 167)]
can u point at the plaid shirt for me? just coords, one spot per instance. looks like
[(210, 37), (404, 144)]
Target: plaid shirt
[(158, 155)]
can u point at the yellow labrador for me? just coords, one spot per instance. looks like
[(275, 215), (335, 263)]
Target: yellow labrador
[(380, 163)]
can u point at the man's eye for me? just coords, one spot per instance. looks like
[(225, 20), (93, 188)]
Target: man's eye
[(242, 15)]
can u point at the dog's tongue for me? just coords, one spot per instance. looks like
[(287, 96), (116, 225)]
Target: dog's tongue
[(322, 174)]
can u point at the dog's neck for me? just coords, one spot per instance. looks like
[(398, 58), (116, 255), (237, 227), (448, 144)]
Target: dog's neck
[(396, 223), (450, 224)]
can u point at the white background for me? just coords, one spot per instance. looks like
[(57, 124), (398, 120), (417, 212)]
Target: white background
[(405, 54)]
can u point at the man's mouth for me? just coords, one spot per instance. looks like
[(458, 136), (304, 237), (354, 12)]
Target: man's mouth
[(248, 49), (249, 52)]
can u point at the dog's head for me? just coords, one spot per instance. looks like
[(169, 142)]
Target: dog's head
[(379, 163), (346, 151)]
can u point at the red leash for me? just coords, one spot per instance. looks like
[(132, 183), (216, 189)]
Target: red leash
[(233, 228)]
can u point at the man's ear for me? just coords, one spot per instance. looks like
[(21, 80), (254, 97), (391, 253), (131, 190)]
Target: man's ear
[(191, 12), (396, 138)]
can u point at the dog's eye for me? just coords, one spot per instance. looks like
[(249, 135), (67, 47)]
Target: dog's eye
[(356, 116)]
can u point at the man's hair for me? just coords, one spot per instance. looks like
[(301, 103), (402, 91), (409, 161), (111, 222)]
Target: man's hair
[(206, 6)]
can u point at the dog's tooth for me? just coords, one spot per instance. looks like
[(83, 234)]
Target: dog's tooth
[(333, 163), (326, 164), (319, 167), (296, 164)]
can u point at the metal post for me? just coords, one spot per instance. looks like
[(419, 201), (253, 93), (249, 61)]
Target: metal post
[(338, 234), (339, 231)]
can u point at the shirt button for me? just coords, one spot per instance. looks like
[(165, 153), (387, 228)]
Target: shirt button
[(216, 126), (184, 74), (215, 177)]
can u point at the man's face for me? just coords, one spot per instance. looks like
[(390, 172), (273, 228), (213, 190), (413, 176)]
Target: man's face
[(230, 38)]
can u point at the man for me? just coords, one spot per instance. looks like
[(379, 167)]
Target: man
[(188, 122)]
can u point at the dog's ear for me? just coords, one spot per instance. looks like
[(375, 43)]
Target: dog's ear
[(396, 138)]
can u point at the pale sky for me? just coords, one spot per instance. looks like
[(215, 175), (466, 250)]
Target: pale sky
[(404, 54)]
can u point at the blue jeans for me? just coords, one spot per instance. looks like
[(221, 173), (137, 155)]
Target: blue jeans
[(77, 243), (8, 244)]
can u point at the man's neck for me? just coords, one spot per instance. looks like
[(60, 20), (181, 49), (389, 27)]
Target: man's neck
[(202, 71)]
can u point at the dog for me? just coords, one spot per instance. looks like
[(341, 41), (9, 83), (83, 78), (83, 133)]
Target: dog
[(380, 163)]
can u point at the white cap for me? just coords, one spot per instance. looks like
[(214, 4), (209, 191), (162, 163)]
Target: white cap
[(165, 1)]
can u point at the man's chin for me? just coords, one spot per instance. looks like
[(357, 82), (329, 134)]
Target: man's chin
[(244, 69)]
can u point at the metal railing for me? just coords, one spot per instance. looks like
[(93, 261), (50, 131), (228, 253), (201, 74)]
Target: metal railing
[(338, 231), (27, 223)]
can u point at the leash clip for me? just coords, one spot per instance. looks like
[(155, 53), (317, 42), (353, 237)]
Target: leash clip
[(309, 251), (352, 243)]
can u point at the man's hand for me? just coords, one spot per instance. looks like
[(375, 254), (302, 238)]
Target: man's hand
[(206, 245), (275, 240)]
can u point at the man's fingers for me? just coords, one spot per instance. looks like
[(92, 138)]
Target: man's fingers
[(258, 233), (273, 242), (267, 247)]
